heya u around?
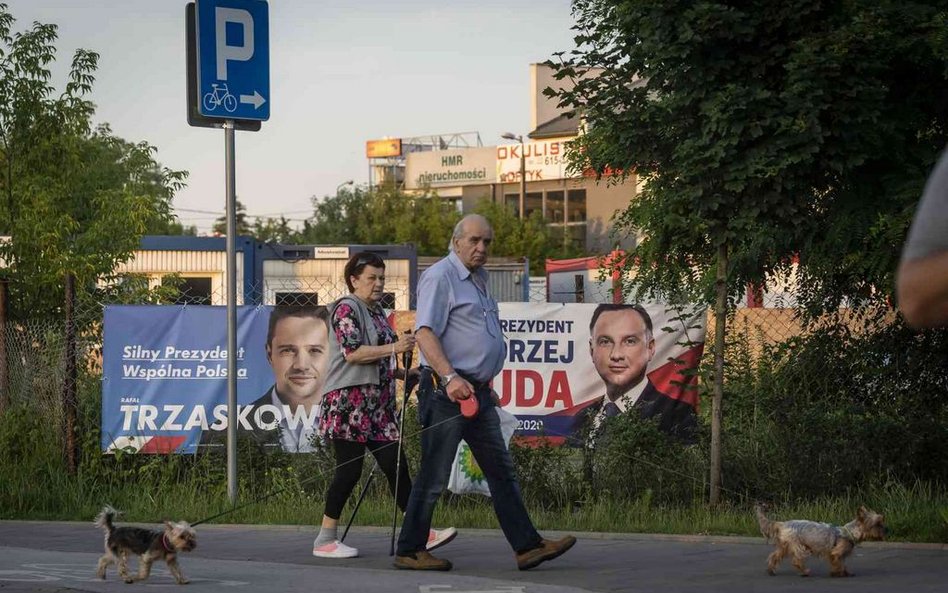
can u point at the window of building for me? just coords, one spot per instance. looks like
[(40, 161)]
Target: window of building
[(533, 202), (191, 291), (512, 201), (308, 299), (576, 206), (555, 207)]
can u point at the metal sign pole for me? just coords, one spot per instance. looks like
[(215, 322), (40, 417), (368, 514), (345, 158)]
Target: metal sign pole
[(231, 182), (229, 86)]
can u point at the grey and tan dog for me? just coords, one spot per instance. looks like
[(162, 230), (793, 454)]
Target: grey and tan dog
[(148, 544), (799, 539)]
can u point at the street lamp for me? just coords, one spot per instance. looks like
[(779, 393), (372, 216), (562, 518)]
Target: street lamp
[(344, 183), (523, 169)]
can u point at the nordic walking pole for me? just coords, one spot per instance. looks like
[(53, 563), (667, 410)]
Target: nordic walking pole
[(365, 489), (406, 362)]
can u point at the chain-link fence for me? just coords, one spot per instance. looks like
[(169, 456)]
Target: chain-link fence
[(35, 347), (836, 398)]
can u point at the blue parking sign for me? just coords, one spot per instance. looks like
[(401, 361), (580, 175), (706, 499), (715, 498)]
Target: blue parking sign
[(233, 59)]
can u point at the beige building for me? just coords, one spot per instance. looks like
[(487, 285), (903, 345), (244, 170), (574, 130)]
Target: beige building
[(571, 203)]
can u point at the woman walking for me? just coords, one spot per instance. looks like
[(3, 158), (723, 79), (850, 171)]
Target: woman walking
[(358, 406)]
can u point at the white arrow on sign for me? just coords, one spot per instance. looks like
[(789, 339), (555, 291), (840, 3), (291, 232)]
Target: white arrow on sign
[(256, 99)]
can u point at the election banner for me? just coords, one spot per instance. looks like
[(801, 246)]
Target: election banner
[(164, 382), (550, 379)]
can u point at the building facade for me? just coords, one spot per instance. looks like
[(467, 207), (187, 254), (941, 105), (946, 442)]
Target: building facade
[(573, 204), (267, 273), (278, 274)]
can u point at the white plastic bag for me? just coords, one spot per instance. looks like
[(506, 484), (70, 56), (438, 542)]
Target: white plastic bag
[(466, 476)]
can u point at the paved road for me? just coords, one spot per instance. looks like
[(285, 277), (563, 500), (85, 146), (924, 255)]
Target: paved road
[(60, 557)]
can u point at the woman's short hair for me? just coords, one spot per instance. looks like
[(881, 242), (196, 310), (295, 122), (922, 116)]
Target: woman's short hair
[(358, 262)]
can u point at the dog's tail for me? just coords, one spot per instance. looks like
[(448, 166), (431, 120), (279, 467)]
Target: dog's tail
[(767, 527), (104, 519)]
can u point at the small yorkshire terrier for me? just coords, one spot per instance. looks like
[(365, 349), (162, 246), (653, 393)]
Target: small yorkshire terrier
[(148, 544), (799, 539)]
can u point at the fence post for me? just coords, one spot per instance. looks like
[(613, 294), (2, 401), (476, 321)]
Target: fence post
[(720, 319), (70, 406), (4, 369)]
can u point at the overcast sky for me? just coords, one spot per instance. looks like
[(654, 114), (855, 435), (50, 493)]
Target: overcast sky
[(341, 73)]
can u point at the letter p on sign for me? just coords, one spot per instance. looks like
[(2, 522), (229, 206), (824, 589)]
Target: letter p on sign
[(225, 52)]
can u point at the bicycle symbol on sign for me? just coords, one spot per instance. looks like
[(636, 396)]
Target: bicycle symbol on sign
[(220, 96)]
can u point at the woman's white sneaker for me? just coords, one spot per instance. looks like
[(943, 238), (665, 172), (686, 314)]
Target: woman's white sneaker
[(440, 537), (334, 549)]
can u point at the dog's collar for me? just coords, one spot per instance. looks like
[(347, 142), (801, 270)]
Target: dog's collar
[(847, 534), (165, 543)]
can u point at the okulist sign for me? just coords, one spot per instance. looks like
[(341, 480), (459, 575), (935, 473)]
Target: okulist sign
[(450, 168), (543, 160)]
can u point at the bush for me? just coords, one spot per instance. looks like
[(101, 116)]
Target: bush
[(836, 409), (548, 474), (633, 459)]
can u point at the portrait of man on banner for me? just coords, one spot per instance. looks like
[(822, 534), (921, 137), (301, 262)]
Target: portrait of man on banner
[(286, 415), (621, 346)]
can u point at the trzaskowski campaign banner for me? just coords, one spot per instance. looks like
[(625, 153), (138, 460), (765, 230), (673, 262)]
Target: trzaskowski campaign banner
[(164, 384), (568, 365)]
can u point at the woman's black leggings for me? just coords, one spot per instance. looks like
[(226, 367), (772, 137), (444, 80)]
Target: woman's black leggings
[(349, 456)]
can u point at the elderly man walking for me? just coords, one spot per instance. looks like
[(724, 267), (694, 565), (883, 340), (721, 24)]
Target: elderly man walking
[(458, 331)]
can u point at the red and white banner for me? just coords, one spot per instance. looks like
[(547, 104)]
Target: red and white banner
[(549, 375)]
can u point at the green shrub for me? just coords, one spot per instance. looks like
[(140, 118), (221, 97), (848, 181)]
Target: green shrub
[(632, 458), (834, 410)]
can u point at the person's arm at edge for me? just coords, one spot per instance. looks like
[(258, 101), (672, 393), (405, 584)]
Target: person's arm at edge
[(922, 289)]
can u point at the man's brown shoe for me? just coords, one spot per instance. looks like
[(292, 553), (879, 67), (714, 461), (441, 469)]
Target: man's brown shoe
[(422, 561), (548, 550)]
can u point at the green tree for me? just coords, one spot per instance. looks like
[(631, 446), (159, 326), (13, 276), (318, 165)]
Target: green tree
[(532, 238), (75, 200), (382, 215), (240, 221), (274, 229), (334, 219), (175, 227), (387, 215), (393, 216), (762, 132)]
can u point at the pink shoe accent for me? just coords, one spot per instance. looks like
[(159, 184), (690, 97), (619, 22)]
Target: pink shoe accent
[(335, 549), (440, 537)]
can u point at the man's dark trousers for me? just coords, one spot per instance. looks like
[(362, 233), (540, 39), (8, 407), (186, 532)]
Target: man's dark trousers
[(443, 429)]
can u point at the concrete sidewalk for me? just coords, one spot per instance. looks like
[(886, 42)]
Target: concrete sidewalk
[(46, 556)]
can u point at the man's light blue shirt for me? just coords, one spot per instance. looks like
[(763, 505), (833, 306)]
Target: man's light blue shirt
[(463, 316)]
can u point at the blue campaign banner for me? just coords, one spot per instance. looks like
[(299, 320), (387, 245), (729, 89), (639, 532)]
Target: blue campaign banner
[(164, 382)]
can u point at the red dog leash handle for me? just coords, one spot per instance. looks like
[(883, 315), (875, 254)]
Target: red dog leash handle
[(469, 406)]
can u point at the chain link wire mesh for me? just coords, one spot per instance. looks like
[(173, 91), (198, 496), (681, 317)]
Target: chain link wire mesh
[(779, 370), (35, 347)]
